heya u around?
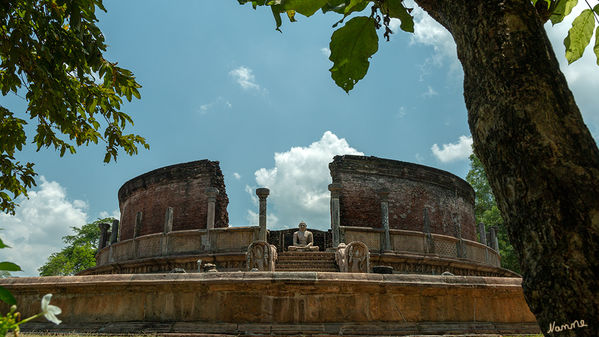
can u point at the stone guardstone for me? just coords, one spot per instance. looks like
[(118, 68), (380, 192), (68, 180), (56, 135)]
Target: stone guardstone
[(261, 256)]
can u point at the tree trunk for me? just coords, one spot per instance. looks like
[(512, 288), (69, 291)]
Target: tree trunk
[(540, 158)]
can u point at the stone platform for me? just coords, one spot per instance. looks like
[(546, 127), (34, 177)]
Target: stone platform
[(279, 303)]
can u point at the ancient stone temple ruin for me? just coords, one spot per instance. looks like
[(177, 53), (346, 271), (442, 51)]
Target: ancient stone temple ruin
[(402, 256), (412, 219)]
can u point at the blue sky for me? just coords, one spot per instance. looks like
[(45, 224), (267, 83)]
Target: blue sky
[(220, 83)]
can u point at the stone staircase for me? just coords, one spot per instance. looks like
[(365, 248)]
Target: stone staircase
[(306, 261)]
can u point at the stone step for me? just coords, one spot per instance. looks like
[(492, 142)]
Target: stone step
[(308, 255), (305, 268), (302, 258), (307, 262)]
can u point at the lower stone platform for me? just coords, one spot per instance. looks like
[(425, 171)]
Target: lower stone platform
[(278, 303)]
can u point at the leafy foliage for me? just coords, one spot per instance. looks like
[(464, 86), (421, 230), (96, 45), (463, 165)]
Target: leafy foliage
[(486, 211), (51, 53), (79, 253), (353, 44), (5, 269)]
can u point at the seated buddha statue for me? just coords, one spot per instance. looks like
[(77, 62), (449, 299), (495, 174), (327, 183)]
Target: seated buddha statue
[(303, 240)]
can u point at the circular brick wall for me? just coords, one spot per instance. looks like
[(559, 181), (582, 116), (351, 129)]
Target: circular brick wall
[(418, 196), (181, 187)]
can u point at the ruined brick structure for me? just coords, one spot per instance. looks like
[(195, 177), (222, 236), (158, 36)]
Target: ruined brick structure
[(415, 192), (144, 200)]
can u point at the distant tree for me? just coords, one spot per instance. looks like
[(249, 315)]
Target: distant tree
[(51, 54), (486, 211), (79, 253)]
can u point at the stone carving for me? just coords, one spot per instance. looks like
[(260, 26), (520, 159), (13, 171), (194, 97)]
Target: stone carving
[(261, 256), (340, 258), (303, 239), (357, 257)]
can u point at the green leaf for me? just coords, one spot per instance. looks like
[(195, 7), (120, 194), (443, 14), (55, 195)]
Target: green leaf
[(395, 9), (351, 47), (9, 266), (304, 7), (7, 297), (596, 48), (561, 10), (3, 245), (579, 35), (355, 5)]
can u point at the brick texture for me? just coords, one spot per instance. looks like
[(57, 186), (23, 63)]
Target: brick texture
[(448, 200), (181, 187)]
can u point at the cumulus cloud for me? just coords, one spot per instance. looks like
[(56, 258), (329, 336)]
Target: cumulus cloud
[(245, 78), (299, 182), (37, 228), (325, 51), (452, 152), (236, 175)]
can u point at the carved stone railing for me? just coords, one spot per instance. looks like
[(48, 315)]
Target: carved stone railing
[(178, 243), (419, 243)]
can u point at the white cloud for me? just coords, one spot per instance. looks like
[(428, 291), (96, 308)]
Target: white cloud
[(37, 228), (219, 102), (401, 113), (236, 175), (245, 78), (115, 214), (430, 92), (452, 152), (325, 51), (429, 32), (419, 158), (272, 221), (299, 182)]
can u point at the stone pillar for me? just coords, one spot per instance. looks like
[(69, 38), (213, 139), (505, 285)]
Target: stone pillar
[(494, 244), (384, 195), (211, 193), (103, 235), (429, 244), (114, 232), (168, 220), (335, 218), (137, 228), (262, 193), (482, 233)]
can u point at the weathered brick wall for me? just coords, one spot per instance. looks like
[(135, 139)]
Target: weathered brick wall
[(448, 200), (182, 187)]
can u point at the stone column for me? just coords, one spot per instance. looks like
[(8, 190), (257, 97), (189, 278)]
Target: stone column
[(114, 232), (137, 228), (211, 193), (335, 218), (262, 193), (482, 233), (384, 195), (168, 220), (103, 235), (429, 241), (494, 243)]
